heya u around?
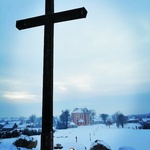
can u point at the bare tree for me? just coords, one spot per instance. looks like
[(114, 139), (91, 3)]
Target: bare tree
[(120, 119), (92, 115)]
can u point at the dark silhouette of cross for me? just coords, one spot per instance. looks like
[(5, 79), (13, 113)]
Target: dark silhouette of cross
[(48, 21)]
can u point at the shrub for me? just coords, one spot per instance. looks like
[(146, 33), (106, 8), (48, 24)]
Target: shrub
[(26, 142), (99, 145)]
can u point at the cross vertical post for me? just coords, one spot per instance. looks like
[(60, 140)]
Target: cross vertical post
[(48, 21), (47, 107)]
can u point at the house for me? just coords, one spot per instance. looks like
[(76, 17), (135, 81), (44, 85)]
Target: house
[(2, 125), (9, 127), (133, 120), (146, 120), (22, 127), (72, 125), (81, 116)]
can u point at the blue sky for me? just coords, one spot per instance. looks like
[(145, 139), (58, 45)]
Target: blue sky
[(101, 62)]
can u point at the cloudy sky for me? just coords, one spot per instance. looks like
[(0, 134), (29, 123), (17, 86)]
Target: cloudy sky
[(101, 62)]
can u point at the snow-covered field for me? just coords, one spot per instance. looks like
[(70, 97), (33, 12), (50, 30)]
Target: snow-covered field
[(114, 137)]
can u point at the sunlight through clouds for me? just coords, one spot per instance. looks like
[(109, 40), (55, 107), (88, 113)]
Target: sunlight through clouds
[(60, 87), (78, 84), (20, 96)]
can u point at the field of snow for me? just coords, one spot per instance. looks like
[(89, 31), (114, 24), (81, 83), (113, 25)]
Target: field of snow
[(83, 136)]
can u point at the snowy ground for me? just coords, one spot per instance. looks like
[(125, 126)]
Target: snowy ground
[(114, 137)]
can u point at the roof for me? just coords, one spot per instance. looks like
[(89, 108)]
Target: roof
[(22, 126), (72, 123), (80, 110), (146, 119), (9, 126), (2, 123)]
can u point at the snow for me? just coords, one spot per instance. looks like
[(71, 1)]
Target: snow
[(27, 138), (81, 120), (9, 125), (146, 119), (100, 142), (126, 148), (80, 110), (127, 138), (72, 123)]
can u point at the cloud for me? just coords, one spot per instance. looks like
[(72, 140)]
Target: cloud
[(18, 91), (20, 97), (104, 78), (106, 54), (72, 85), (110, 55)]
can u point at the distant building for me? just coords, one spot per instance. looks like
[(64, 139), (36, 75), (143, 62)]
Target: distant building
[(72, 125), (133, 120), (81, 116), (1, 125), (9, 127)]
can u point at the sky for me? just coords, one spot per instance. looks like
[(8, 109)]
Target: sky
[(101, 62)]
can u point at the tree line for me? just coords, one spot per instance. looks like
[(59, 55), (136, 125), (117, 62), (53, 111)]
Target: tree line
[(119, 118)]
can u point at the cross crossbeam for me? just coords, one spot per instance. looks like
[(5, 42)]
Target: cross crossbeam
[(55, 18), (48, 21)]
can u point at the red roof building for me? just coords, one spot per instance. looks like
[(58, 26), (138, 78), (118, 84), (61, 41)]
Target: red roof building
[(81, 116)]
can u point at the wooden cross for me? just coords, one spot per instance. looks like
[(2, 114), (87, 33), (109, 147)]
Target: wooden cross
[(48, 21)]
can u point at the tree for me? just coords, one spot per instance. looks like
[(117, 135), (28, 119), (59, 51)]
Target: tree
[(120, 119), (63, 120), (22, 120), (32, 118), (92, 115), (39, 122), (109, 122), (104, 117)]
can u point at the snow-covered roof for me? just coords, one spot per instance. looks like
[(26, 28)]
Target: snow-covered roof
[(80, 110), (22, 125), (132, 119), (72, 123), (9, 126), (2, 123), (146, 119)]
